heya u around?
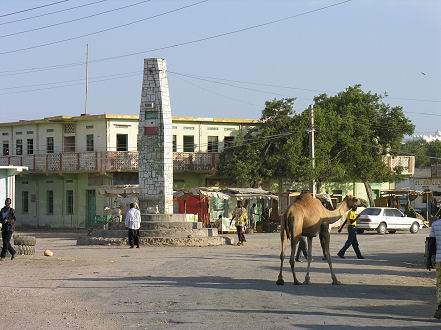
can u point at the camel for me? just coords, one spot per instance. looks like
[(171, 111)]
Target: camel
[(307, 216)]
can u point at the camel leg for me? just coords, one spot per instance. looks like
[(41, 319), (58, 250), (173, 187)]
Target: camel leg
[(294, 242), (284, 239), (307, 279), (326, 239)]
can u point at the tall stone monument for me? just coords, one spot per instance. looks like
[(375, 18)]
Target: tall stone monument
[(155, 140), (159, 226)]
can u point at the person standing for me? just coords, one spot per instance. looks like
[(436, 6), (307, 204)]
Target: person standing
[(435, 231), (133, 222), (302, 248), (351, 219), (240, 215), (253, 217), (8, 227)]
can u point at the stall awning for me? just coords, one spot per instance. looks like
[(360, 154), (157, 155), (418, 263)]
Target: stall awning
[(118, 191), (203, 192)]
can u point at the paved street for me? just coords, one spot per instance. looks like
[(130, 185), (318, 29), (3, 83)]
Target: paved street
[(218, 287)]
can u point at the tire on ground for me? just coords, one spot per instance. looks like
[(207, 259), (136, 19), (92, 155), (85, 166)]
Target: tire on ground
[(24, 240), (25, 249)]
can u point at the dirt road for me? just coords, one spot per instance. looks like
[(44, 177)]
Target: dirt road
[(93, 287)]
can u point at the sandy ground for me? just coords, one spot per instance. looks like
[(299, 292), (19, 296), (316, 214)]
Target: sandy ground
[(97, 287)]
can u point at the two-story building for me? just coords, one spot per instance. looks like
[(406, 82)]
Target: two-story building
[(70, 157)]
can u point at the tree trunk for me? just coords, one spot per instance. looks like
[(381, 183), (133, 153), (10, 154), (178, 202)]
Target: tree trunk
[(368, 188)]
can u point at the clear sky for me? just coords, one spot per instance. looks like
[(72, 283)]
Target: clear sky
[(385, 45)]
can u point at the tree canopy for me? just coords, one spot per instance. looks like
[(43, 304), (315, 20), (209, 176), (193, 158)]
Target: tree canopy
[(353, 130)]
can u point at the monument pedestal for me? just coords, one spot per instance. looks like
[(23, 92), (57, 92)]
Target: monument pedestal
[(159, 229)]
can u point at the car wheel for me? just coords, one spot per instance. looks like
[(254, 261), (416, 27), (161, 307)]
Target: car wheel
[(391, 231), (382, 228), (360, 231), (414, 228)]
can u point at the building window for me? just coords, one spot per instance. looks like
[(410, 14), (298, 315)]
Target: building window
[(228, 141), (175, 147), (89, 126), (5, 133), (69, 202), (19, 147), (188, 143), (122, 142), (50, 145), (25, 201), (89, 142), (30, 146), (50, 202), (49, 130), (69, 144), (213, 144), (5, 148), (29, 132)]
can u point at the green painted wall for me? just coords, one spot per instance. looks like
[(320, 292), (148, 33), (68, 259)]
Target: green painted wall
[(38, 187)]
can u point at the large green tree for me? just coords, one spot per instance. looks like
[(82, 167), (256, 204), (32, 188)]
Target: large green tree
[(273, 149), (358, 129), (353, 129)]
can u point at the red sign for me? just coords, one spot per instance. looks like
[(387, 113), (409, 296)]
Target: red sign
[(150, 131)]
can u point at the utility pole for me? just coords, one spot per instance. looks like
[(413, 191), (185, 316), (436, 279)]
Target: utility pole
[(311, 145), (87, 76)]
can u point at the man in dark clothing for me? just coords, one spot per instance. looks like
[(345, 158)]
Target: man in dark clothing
[(352, 235), (8, 227), (302, 248)]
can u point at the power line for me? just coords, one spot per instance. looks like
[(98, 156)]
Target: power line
[(70, 85), (29, 9), (73, 20), (53, 12), (216, 93), (102, 31), (179, 44)]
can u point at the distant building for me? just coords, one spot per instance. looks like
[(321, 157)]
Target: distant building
[(70, 157), (428, 138)]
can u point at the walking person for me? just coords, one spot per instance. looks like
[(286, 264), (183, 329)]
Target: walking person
[(302, 248), (351, 219), (8, 227), (133, 222), (241, 217), (435, 231)]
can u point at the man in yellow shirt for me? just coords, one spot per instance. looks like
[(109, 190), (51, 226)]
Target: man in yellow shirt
[(241, 216), (352, 235)]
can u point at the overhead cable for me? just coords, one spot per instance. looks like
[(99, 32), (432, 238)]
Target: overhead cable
[(74, 20), (29, 9), (102, 31), (53, 12)]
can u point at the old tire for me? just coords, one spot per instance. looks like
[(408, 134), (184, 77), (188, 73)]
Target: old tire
[(24, 240), (382, 228), (25, 249), (414, 228)]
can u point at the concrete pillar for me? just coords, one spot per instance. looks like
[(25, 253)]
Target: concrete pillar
[(155, 140)]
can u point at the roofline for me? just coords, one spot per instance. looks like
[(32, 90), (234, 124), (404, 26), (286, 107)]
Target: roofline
[(62, 119)]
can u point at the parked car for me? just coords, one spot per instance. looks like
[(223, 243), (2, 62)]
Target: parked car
[(386, 219)]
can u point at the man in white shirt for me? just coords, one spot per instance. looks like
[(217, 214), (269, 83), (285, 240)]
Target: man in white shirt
[(133, 222), (435, 231)]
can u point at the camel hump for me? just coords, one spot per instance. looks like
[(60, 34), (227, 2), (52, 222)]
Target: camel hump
[(304, 196)]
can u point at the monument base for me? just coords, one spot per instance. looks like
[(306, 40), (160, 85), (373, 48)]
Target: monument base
[(158, 229)]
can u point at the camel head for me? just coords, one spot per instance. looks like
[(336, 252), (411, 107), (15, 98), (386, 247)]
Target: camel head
[(355, 201)]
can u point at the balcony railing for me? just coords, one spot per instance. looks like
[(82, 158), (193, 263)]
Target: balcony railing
[(103, 161)]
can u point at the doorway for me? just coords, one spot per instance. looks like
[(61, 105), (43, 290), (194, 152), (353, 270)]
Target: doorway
[(91, 208)]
